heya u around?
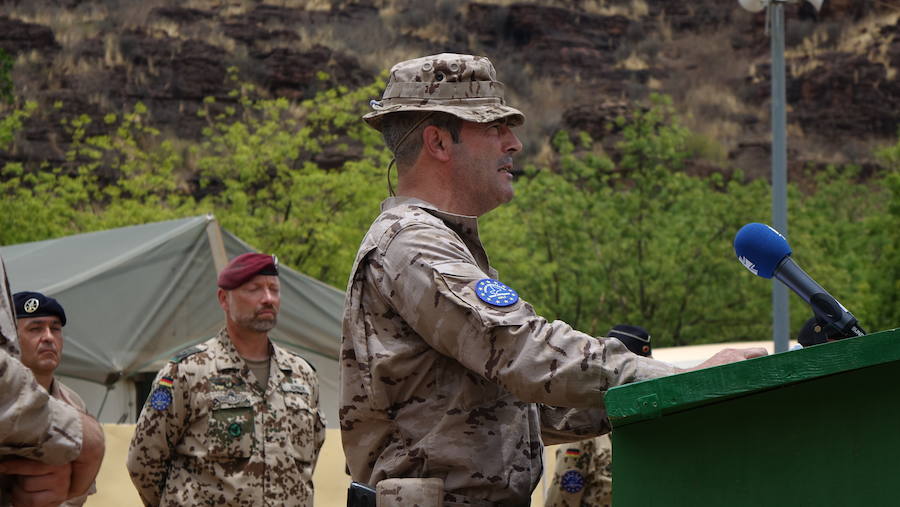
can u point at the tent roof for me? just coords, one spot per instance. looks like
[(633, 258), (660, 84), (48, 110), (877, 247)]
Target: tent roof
[(136, 295)]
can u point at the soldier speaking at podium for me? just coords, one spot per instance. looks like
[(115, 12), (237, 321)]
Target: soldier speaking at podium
[(450, 382)]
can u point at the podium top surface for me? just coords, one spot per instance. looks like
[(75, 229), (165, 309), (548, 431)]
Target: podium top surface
[(654, 398)]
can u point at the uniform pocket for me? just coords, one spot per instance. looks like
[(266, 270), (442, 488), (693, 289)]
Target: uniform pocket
[(303, 419), (231, 426)]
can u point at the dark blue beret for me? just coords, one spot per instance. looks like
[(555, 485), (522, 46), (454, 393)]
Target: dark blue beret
[(637, 339), (34, 304)]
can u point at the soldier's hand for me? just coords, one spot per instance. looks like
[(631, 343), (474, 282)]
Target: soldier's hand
[(37, 484), (726, 356), (87, 464)]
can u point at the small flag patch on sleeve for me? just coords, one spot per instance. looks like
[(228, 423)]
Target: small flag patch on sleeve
[(573, 452), (166, 382)]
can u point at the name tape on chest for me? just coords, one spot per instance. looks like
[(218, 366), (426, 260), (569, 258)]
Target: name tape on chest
[(291, 387), (495, 292)]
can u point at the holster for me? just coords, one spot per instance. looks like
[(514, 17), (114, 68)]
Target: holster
[(410, 491)]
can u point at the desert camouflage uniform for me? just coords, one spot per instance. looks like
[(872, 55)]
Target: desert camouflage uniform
[(221, 440), (438, 383), (583, 476), (32, 424), (64, 393)]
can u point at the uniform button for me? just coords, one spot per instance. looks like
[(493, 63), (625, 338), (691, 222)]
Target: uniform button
[(234, 429)]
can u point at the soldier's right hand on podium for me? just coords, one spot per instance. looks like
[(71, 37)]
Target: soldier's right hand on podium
[(726, 356)]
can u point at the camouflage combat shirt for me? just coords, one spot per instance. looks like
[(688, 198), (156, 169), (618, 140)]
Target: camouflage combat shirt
[(65, 394), (583, 475), (209, 435), (436, 382)]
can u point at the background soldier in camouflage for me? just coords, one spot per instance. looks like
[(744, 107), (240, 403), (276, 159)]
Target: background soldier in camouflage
[(234, 420), (63, 449), (446, 372), (583, 475), (39, 323)]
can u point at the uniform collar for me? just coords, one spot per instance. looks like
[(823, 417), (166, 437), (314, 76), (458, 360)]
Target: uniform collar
[(464, 221), (466, 226), (227, 356)]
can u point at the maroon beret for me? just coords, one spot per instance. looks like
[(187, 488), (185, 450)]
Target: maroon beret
[(244, 267)]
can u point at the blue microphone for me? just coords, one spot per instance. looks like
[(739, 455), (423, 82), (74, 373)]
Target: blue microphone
[(766, 253)]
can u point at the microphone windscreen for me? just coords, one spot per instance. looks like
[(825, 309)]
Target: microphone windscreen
[(760, 248)]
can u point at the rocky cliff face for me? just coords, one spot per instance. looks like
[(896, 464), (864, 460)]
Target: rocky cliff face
[(572, 64)]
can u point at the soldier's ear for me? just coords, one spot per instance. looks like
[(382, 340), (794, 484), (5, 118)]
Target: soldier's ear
[(437, 142), (222, 296)]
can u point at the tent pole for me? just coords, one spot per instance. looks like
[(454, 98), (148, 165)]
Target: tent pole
[(216, 245)]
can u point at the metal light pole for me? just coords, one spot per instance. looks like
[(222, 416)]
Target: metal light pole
[(780, 306), (775, 25)]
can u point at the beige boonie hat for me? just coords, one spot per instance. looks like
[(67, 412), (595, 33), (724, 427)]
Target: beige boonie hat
[(465, 86)]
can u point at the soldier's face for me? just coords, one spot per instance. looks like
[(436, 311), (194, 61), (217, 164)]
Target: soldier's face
[(255, 304), (484, 163), (41, 340)]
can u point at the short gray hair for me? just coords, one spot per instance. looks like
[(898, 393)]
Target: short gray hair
[(402, 132)]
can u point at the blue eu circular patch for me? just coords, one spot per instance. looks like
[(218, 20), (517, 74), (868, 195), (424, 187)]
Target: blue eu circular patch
[(161, 398), (572, 481), (495, 293)]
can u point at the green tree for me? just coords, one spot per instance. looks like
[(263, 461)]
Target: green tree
[(270, 191), (599, 242)]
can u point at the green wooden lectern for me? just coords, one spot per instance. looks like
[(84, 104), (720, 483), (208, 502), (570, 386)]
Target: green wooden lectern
[(813, 427)]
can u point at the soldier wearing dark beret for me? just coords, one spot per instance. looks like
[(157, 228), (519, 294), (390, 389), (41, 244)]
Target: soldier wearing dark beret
[(234, 420), (39, 323), (49, 450)]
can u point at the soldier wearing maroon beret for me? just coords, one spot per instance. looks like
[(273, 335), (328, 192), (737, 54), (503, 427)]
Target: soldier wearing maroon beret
[(236, 419)]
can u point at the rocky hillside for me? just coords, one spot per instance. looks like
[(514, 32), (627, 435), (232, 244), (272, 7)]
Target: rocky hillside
[(572, 64)]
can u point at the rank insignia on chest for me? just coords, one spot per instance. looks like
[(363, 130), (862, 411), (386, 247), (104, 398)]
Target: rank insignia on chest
[(161, 398), (495, 292), (572, 481)]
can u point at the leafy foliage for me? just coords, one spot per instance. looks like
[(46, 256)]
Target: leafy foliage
[(270, 191), (595, 242), (603, 242), (591, 240)]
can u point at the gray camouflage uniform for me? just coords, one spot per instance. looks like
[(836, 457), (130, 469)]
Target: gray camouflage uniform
[(221, 440), (32, 424), (438, 383)]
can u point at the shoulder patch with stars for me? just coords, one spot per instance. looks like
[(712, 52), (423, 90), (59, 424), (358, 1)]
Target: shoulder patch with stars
[(186, 353), (161, 398), (495, 292), (572, 481)]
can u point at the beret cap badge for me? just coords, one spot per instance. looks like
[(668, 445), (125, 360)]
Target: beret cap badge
[(31, 305)]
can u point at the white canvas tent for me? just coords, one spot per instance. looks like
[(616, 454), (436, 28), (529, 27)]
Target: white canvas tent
[(134, 296)]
